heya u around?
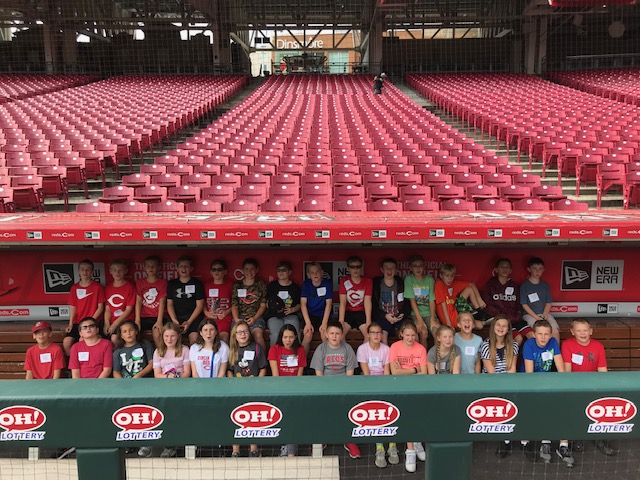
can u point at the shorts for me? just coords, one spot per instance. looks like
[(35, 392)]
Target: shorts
[(147, 323), (355, 319), (224, 325), (316, 321), (193, 328), (259, 323), (530, 321), (463, 305), (390, 328), (75, 332), (521, 327)]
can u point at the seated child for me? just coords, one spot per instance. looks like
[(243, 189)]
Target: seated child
[(389, 307), (455, 296), (151, 299), (92, 356), (45, 360), (249, 301), (535, 297)]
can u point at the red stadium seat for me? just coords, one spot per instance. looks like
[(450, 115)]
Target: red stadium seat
[(569, 205), (457, 204), (421, 205), (93, 207), (240, 206), (531, 204), (204, 206), (184, 194), (385, 205), (279, 205), (494, 205), (28, 198), (130, 207), (150, 194), (166, 207), (314, 205)]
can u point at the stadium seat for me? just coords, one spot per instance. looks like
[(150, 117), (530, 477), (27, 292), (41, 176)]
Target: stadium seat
[(204, 206), (282, 205), (240, 206), (569, 205), (130, 207), (531, 204), (421, 205), (184, 194), (494, 205), (168, 206), (456, 204), (28, 198), (150, 194), (385, 205), (93, 207)]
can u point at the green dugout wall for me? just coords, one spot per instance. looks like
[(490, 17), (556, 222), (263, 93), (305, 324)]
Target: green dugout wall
[(448, 412)]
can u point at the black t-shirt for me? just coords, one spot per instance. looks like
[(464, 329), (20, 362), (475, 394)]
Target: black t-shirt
[(279, 297), (184, 296)]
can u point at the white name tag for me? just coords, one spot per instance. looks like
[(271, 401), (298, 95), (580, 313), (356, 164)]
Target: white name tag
[(546, 356), (118, 312), (81, 293), (242, 292), (443, 366), (213, 292), (509, 290), (450, 291), (137, 354), (374, 362), (401, 297), (168, 368), (322, 291), (83, 356), (417, 291), (283, 294), (45, 358), (533, 297), (190, 289), (348, 285), (469, 350), (153, 291), (292, 361), (249, 355), (577, 359)]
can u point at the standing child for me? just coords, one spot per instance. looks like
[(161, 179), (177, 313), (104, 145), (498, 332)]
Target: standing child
[(209, 355), (355, 298), (92, 356), (469, 344), (335, 357), (246, 359), (535, 297), (541, 353), (219, 292), (408, 357), (444, 356), (373, 357), (499, 355), (185, 299), (45, 360), (389, 307), (419, 289), (316, 299), (283, 302), (585, 354), (454, 296), (86, 299), (249, 301), (151, 299), (287, 359), (120, 299)]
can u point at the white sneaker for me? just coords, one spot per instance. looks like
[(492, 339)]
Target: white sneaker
[(394, 458), (381, 461), (410, 461), (420, 453), (168, 452), (144, 452)]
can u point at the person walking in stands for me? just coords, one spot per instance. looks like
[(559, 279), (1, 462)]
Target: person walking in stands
[(185, 299), (209, 356), (355, 298), (373, 357), (581, 353), (283, 302), (388, 304), (249, 301), (92, 356), (247, 358), (86, 299), (120, 299), (335, 357), (287, 359), (444, 356), (408, 357), (45, 359), (469, 345), (151, 299), (219, 292), (378, 84), (171, 360), (535, 297)]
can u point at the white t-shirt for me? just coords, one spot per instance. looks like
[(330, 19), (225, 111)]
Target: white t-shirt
[(375, 359), (202, 359)]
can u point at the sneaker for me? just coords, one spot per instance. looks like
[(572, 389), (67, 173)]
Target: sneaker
[(565, 455), (527, 449), (504, 449), (352, 448), (144, 452), (394, 458), (420, 453), (381, 461), (235, 454), (410, 461), (605, 448), (545, 452), (481, 315), (255, 454), (168, 453), (284, 451)]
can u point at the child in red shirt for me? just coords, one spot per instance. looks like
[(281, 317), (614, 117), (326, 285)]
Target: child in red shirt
[(454, 295), (151, 299), (355, 298), (219, 292), (92, 357), (120, 299), (46, 359)]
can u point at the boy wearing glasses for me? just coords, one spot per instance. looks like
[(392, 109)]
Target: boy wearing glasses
[(86, 299), (283, 302), (92, 356), (219, 292), (355, 298)]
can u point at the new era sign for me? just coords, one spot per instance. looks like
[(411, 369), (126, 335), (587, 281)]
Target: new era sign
[(59, 277), (592, 275)]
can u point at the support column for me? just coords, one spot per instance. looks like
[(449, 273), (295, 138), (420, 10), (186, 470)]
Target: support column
[(101, 464), (449, 460), (535, 54), (372, 56), (221, 48)]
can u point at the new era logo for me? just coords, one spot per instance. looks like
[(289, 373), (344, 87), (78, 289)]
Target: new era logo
[(265, 234), (573, 275), (602, 308), (55, 278), (58, 277)]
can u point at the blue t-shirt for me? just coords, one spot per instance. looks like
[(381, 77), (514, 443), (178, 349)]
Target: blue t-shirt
[(535, 295), (317, 296), (542, 357)]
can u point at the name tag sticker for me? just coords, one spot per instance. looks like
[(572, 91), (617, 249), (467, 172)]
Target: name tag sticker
[(509, 290), (283, 294), (153, 291), (81, 293), (292, 361), (577, 359), (213, 292), (533, 297), (249, 355), (348, 285), (417, 291), (443, 366), (190, 289), (322, 291), (45, 358), (401, 297), (469, 350), (546, 356), (242, 292), (83, 356), (374, 362)]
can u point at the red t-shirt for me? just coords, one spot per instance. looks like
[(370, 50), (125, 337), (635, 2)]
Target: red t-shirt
[(119, 298), (288, 361), (355, 292), (448, 294), (86, 300), (151, 295), (583, 358), (44, 361), (219, 297), (91, 360)]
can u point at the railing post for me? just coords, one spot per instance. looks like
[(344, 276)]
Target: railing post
[(101, 464), (449, 460)]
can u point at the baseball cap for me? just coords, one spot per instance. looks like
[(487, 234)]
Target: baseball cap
[(43, 325)]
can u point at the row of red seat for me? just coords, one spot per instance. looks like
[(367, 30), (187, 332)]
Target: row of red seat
[(621, 84), (18, 86)]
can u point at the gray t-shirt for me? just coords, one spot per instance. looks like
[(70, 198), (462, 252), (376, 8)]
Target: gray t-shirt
[(129, 361), (444, 365), (470, 353), (332, 361)]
